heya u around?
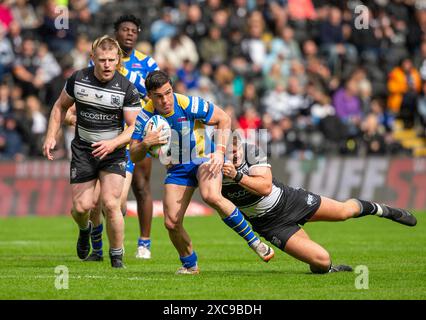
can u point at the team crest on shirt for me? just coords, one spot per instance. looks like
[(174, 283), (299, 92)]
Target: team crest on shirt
[(115, 100), (310, 200)]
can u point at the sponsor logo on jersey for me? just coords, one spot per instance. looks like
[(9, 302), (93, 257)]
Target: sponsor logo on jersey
[(82, 93), (205, 106), (237, 194), (150, 62), (136, 65), (144, 116), (182, 119), (195, 102), (98, 116)]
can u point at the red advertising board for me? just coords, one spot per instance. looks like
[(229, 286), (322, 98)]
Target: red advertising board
[(42, 187)]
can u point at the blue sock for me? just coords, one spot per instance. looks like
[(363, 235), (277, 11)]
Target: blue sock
[(96, 237), (237, 222), (189, 261), (144, 243)]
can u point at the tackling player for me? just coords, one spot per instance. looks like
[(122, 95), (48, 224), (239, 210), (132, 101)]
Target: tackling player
[(276, 211)]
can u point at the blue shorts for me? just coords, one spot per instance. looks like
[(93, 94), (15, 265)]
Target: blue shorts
[(130, 166), (184, 174)]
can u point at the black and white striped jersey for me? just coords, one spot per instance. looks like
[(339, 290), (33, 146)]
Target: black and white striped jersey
[(100, 106), (250, 204)]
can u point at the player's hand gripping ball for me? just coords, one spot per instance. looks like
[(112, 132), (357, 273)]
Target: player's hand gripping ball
[(159, 150)]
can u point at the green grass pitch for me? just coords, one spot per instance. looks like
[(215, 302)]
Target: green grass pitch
[(31, 248)]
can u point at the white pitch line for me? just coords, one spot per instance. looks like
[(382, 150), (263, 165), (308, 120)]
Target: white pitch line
[(81, 277)]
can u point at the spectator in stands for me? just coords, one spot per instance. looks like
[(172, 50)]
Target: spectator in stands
[(420, 60), (421, 109), (250, 98), (6, 105), (275, 103), (27, 70), (188, 74), (163, 27), (38, 125), (204, 90), (274, 77), (348, 106), (14, 147), (333, 43), (171, 52), (49, 67), (6, 16), (404, 85), (25, 15), (213, 48), (15, 37), (373, 135), (253, 45), (367, 37), (194, 26), (239, 14), (249, 121), (7, 55), (60, 40), (286, 43), (81, 52)]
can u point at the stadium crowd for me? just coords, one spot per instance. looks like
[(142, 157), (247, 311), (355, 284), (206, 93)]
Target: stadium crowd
[(323, 77)]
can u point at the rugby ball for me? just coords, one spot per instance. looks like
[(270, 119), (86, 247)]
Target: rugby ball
[(157, 121)]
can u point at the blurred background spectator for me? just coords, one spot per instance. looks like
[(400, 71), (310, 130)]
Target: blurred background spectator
[(322, 77)]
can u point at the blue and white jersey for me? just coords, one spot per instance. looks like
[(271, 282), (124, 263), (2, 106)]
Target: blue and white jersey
[(188, 120)]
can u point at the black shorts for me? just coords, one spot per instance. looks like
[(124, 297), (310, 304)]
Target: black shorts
[(85, 167), (294, 208)]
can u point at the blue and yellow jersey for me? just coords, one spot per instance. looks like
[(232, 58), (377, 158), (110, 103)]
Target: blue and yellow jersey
[(188, 123), (138, 65)]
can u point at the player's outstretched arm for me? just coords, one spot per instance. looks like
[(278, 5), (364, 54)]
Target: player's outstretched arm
[(57, 116), (259, 181)]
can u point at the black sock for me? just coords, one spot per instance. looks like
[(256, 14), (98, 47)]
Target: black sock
[(368, 208)]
